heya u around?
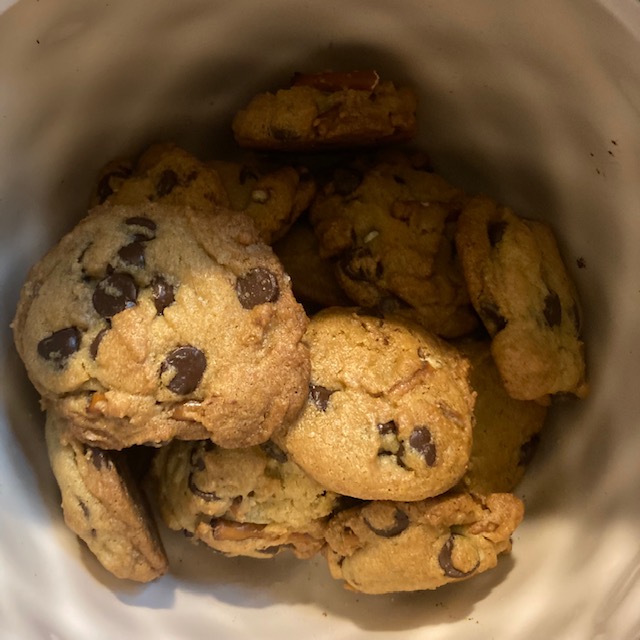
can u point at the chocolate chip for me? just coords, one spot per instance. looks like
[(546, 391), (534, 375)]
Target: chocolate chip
[(319, 395), (346, 181), (446, 563), (387, 428), (189, 364), (552, 309), (495, 231), (401, 522), (86, 512), (133, 254), (528, 450), (247, 174), (274, 451), (60, 345), (283, 135), (399, 179), (95, 344), (146, 223), (167, 182), (492, 317), (207, 496), (421, 440), (105, 189), (162, 293), (114, 294), (257, 286), (99, 457)]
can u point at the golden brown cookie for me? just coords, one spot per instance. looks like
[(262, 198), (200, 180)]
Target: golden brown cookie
[(384, 546), (389, 227), (251, 502), (328, 110), (390, 409), (152, 322), (506, 430), (520, 287), (104, 507)]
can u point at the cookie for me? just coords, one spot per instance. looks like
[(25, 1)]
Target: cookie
[(250, 502), (520, 287), (390, 409), (104, 507), (328, 110), (506, 431), (273, 196), (152, 322), (389, 227), (313, 278), (164, 173), (386, 546)]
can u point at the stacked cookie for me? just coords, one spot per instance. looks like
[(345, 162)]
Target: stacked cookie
[(347, 355)]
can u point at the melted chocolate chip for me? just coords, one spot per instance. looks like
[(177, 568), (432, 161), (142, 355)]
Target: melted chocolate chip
[(99, 457), (246, 174), (86, 512), (146, 223), (95, 344), (401, 522), (162, 293), (133, 254), (274, 451), (491, 316), (189, 364), (167, 182), (257, 286), (105, 189), (421, 440), (552, 309), (207, 496), (114, 294), (319, 395), (60, 345), (446, 563), (528, 450), (346, 181), (495, 231), (387, 428), (283, 135)]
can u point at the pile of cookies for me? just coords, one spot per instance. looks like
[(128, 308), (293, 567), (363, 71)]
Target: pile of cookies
[(321, 348)]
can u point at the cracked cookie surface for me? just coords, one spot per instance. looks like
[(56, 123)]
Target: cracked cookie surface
[(252, 502), (152, 322), (390, 410)]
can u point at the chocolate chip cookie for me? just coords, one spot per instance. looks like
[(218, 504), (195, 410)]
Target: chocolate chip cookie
[(390, 409), (252, 502), (164, 173), (328, 110), (152, 322), (520, 287), (506, 431), (386, 546), (274, 196), (389, 227), (104, 507)]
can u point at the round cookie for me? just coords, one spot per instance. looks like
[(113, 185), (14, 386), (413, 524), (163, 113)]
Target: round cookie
[(104, 507), (390, 409), (274, 197), (506, 430), (251, 502), (153, 322), (520, 287), (164, 173), (328, 110), (389, 227), (386, 547)]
